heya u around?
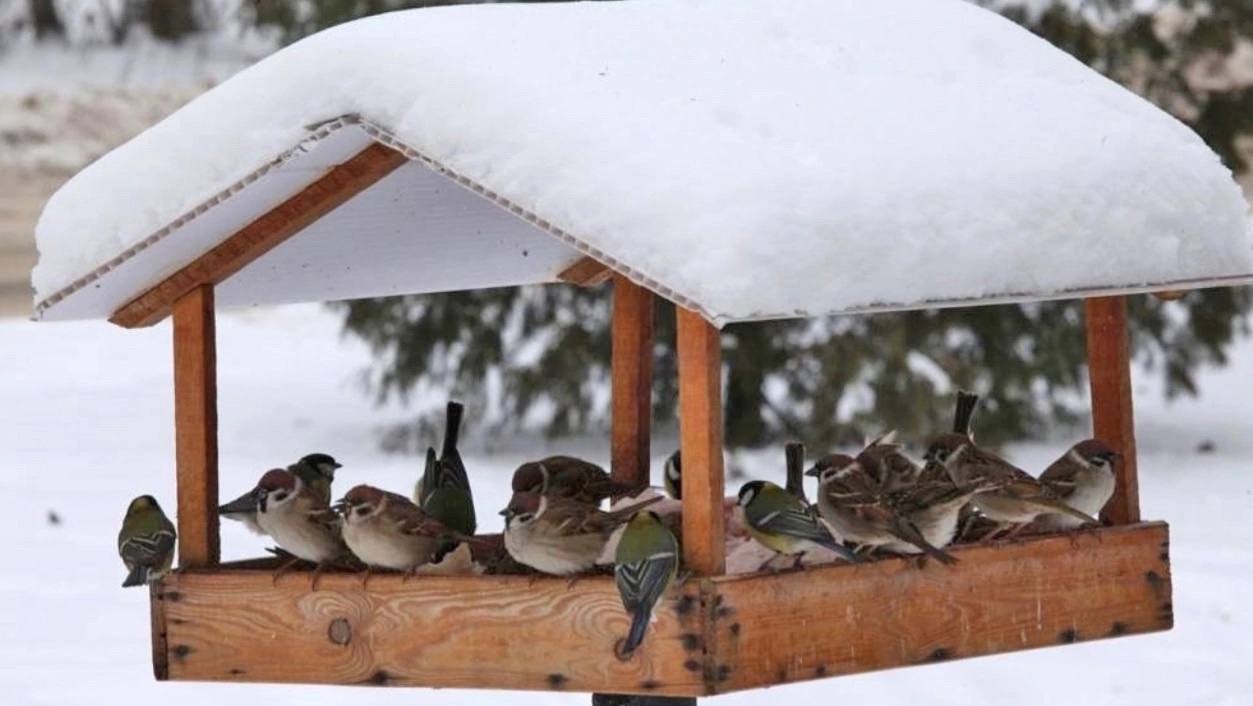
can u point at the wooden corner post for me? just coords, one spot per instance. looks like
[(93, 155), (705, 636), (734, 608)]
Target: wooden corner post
[(1109, 374), (196, 427), (632, 381), (700, 432)]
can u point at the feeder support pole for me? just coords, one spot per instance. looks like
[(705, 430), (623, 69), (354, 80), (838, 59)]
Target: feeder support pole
[(700, 432), (633, 308), (1109, 374), (196, 427)]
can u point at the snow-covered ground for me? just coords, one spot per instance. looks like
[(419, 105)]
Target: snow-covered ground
[(85, 424)]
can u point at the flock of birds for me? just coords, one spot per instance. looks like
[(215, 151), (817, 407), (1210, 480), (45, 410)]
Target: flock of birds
[(877, 501)]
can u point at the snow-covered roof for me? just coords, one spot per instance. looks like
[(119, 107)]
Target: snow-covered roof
[(749, 159)]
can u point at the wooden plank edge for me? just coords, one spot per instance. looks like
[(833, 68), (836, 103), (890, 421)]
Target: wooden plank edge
[(334, 188), (585, 271), (1160, 584), (160, 646)]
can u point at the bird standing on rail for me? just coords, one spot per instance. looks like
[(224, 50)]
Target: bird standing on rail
[(1083, 478), (782, 522), (443, 492), (645, 565), (568, 477), (559, 535), (386, 530), (299, 520), (146, 542)]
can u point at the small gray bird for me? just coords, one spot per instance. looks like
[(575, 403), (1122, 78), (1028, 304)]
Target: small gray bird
[(1007, 494), (386, 530), (1083, 478), (146, 542), (316, 471), (568, 477), (780, 521), (558, 535), (300, 523), (645, 565)]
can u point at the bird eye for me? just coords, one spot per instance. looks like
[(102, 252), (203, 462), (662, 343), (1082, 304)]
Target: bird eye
[(524, 517), (361, 510), (280, 497)]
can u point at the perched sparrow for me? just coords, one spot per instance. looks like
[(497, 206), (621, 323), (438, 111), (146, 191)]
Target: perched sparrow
[(887, 465), (853, 502), (298, 520), (444, 489), (645, 565), (559, 535), (568, 477), (672, 475), (1083, 478), (386, 530), (1007, 494), (317, 471), (146, 542), (783, 522)]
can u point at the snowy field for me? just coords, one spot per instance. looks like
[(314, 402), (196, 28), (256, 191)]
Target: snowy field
[(85, 424)]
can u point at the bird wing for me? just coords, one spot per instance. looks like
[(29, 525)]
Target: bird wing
[(147, 548), (1061, 476), (793, 521), (642, 583)]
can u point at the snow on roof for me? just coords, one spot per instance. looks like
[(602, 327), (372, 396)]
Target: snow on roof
[(747, 158)]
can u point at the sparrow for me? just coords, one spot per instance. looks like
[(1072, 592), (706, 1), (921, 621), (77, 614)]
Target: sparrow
[(316, 470), (1007, 494), (645, 565), (443, 492), (146, 542), (568, 477), (1083, 478), (784, 523), (855, 503), (559, 535), (299, 521), (386, 530)]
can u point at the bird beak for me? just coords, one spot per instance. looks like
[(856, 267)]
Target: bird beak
[(247, 502), (505, 513), (812, 472), (339, 507)]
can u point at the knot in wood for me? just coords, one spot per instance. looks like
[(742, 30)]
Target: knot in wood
[(340, 631)]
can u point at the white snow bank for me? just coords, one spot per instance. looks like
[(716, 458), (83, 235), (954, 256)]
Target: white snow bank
[(758, 159)]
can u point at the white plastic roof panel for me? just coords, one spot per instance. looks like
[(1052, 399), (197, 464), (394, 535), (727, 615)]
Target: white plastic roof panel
[(750, 159)]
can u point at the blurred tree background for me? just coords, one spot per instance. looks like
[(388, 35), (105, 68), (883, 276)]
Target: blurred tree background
[(537, 356)]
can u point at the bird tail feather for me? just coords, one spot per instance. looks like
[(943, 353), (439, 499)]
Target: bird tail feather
[(967, 402), (639, 626), (137, 577), (452, 428)]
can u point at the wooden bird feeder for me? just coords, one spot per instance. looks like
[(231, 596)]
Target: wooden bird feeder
[(239, 199)]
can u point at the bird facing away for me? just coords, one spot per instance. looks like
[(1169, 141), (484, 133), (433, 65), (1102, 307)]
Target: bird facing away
[(558, 535), (146, 542), (1007, 494), (1083, 478), (782, 522), (386, 530), (316, 471), (568, 477), (444, 489), (645, 565), (296, 518)]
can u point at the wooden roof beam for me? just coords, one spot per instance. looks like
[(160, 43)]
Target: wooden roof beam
[(585, 272), (333, 189)]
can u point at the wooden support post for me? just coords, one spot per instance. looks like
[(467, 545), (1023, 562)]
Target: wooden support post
[(1109, 373), (196, 427), (633, 700), (700, 432), (632, 381)]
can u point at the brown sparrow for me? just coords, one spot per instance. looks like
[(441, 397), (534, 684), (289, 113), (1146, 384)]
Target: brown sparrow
[(559, 535), (296, 517), (568, 477), (387, 530), (1083, 478)]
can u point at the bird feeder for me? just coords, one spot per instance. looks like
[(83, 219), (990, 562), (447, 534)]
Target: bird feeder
[(739, 160)]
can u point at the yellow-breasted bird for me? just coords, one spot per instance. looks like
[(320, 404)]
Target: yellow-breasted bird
[(146, 542), (645, 564), (784, 523)]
